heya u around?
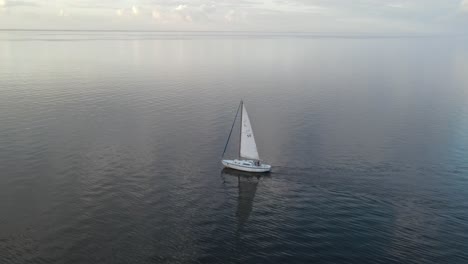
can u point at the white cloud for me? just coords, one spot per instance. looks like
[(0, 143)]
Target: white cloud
[(324, 16), (135, 10), (63, 13), (182, 13), (208, 8), (181, 7), (396, 5), (464, 5), (235, 16), (230, 15), (2, 6)]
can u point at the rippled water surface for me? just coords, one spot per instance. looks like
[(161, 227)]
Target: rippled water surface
[(110, 147)]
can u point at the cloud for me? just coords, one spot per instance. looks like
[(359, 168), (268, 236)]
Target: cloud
[(396, 5), (182, 13), (233, 16), (181, 7), (135, 10), (63, 13), (464, 5), (328, 16), (208, 8), (9, 3), (230, 15)]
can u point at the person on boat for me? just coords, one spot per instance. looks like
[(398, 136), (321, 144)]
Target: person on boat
[(257, 163)]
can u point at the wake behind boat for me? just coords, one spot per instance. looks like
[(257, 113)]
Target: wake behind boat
[(249, 159)]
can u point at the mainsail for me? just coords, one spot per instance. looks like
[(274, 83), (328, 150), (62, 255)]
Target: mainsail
[(248, 148)]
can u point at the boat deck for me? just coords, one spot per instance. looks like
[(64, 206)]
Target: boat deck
[(246, 165)]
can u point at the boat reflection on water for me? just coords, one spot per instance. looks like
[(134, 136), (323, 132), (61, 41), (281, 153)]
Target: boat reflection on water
[(247, 186)]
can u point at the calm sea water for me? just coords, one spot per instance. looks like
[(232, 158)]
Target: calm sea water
[(110, 147)]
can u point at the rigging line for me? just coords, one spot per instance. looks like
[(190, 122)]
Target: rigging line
[(225, 147)]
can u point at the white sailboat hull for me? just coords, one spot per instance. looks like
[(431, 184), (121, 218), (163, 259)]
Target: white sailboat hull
[(246, 165)]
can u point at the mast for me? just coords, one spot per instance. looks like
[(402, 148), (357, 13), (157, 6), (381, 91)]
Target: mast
[(232, 127), (240, 127)]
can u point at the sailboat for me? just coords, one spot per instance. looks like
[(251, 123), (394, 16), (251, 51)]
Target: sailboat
[(249, 159)]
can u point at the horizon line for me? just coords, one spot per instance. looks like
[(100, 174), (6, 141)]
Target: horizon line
[(310, 33)]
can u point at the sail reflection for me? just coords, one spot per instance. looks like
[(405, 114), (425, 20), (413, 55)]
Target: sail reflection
[(247, 186)]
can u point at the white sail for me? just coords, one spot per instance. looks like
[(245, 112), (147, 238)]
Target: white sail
[(248, 148)]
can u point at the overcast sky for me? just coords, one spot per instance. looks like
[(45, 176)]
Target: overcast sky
[(321, 16)]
